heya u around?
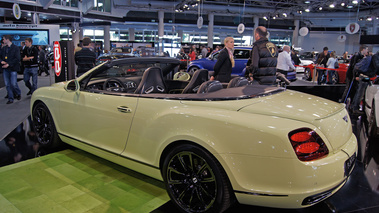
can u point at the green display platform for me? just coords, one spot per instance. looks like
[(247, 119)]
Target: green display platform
[(76, 181)]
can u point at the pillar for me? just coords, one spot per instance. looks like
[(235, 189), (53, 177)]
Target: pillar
[(210, 29), (107, 38), (256, 24), (160, 30), (132, 34), (295, 34)]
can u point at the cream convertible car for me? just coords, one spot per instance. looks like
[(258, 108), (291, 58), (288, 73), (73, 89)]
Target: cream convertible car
[(258, 145)]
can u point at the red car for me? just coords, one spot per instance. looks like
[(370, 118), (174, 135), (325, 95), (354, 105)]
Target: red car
[(338, 77)]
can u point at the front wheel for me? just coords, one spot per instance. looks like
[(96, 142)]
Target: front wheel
[(307, 74), (44, 126), (192, 70), (195, 180)]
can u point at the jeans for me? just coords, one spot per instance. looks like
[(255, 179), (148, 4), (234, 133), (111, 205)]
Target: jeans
[(362, 85), (320, 76), (330, 76), (31, 72), (10, 80)]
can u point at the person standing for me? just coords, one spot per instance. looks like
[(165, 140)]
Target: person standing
[(192, 53), (262, 67), (85, 58), (225, 62), (30, 60), (10, 63), (204, 52), (284, 63), (331, 65), (350, 86), (43, 64), (322, 58)]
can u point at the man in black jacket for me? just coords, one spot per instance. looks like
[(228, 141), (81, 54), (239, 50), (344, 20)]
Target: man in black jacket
[(30, 61), (10, 63), (322, 58), (263, 58), (350, 74), (85, 58)]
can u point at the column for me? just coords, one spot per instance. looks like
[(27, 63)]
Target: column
[(132, 34), (180, 34), (160, 31), (75, 34), (107, 38), (295, 34), (210, 29)]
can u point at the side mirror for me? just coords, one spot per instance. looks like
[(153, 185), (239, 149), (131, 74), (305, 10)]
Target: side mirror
[(72, 86)]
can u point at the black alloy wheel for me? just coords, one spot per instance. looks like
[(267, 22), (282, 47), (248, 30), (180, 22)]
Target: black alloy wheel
[(44, 126), (307, 74), (195, 180)]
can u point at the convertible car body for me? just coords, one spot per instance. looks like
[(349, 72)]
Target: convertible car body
[(371, 108), (257, 145)]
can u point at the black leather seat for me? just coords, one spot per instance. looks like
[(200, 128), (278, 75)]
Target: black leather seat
[(210, 86), (152, 82), (197, 79), (238, 82)]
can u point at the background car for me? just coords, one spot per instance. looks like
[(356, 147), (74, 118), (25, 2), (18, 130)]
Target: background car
[(303, 62), (338, 77), (255, 144), (371, 108), (241, 56)]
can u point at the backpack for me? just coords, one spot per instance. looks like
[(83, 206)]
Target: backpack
[(363, 65)]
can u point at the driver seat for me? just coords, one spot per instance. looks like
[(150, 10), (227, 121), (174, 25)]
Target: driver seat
[(197, 79), (152, 82)]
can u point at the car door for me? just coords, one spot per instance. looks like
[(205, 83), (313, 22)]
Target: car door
[(97, 119)]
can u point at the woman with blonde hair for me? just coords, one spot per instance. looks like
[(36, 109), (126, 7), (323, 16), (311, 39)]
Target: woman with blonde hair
[(225, 62), (331, 65)]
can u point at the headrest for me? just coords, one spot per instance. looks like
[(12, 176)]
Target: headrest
[(238, 82), (210, 86)]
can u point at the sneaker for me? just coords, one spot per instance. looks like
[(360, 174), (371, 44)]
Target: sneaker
[(6, 96), (29, 93), (10, 102), (18, 97)]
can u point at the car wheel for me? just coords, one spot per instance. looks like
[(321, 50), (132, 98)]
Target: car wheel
[(307, 74), (372, 125), (195, 180), (192, 70), (335, 78), (44, 126)]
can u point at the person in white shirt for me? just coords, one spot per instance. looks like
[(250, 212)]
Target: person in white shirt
[(284, 63), (331, 64)]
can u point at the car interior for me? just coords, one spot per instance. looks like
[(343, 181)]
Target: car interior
[(156, 80)]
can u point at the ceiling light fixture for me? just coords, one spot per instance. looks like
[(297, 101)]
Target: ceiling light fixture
[(307, 10), (265, 18), (285, 15), (369, 19), (342, 4), (307, 2), (355, 2), (331, 6), (320, 8)]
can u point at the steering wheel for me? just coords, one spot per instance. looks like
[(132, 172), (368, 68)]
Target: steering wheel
[(120, 85)]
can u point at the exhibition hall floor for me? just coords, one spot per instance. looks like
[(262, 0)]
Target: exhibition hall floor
[(71, 180)]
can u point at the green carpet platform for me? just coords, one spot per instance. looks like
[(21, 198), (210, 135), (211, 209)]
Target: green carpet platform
[(74, 181)]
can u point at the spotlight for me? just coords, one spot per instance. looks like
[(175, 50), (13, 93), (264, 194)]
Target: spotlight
[(369, 19), (265, 18), (350, 6), (307, 10), (320, 8), (355, 2), (331, 6), (342, 4), (285, 15), (307, 2)]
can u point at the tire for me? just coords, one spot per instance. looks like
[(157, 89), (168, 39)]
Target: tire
[(195, 180), (335, 78), (307, 74), (44, 126), (192, 70), (372, 130)]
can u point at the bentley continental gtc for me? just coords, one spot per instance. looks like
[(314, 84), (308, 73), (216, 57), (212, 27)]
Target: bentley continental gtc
[(212, 144)]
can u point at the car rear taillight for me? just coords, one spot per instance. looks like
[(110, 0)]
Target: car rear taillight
[(307, 144)]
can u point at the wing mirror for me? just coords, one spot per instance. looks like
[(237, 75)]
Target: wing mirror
[(72, 86)]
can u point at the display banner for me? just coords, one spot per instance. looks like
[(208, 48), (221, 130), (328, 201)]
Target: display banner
[(64, 61)]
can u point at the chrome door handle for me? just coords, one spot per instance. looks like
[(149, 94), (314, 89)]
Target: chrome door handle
[(124, 109)]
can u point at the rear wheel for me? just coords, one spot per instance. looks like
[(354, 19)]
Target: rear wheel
[(307, 74), (195, 180), (44, 126)]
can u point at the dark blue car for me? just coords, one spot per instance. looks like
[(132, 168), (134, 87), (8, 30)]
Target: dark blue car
[(241, 56)]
